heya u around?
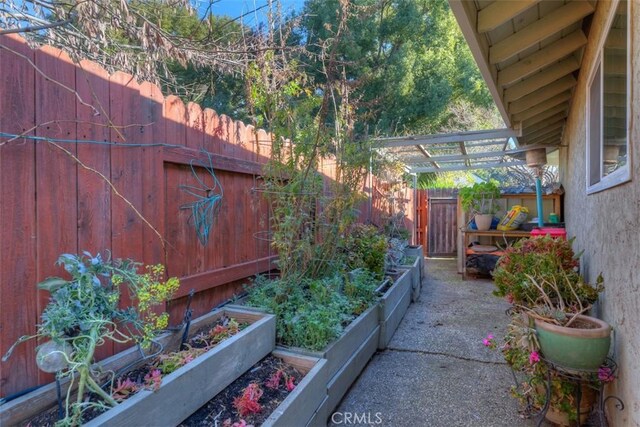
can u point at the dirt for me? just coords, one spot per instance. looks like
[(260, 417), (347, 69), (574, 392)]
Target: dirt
[(49, 417), (221, 408), (582, 324)]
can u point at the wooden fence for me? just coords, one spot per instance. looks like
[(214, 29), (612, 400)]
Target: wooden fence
[(101, 153)]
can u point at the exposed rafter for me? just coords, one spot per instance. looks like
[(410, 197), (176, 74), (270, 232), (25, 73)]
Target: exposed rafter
[(544, 123), (544, 131), (557, 73), (497, 13), (550, 24), (539, 96), (543, 58), (555, 111), (542, 106), (553, 138)]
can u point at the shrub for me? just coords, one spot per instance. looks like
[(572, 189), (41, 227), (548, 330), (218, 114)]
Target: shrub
[(545, 260), (365, 247), (310, 313)]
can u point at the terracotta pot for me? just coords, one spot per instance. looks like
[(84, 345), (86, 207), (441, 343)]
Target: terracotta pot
[(586, 406)]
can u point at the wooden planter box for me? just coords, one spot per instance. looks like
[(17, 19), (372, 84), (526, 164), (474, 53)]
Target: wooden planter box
[(303, 403), (416, 278), (183, 391), (346, 356), (393, 305), (416, 251)]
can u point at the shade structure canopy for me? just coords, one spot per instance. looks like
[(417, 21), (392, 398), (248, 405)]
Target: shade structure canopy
[(456, 151)]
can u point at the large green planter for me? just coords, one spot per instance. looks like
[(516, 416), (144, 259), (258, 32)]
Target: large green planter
[(573, 348)]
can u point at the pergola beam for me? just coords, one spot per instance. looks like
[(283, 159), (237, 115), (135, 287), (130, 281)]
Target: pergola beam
[(542, 107), (543, 58), (539, 96), (486, 154), (539, 30), (427, 155), (464, 167), (445, 138), (539, 81), (499, 12)]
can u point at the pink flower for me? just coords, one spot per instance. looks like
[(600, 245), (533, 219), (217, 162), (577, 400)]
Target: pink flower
[(605, 374), (534, 358), (510, 298), (489, 341)]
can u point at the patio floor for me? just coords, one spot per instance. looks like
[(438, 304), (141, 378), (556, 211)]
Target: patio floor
[(436, 372)]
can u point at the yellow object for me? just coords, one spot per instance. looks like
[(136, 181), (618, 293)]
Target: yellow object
[(514, 218)]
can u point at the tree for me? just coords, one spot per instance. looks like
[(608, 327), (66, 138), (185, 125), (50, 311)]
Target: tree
[(406, 60)]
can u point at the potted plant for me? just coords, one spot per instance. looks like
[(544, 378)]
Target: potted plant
[(478, 200), (539, 277), (567, 337), (539, 258)]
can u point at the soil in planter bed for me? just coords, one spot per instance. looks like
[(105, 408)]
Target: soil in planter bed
[(219, 409), (49, 417)]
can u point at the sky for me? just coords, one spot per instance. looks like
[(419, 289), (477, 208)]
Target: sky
[(235, 8)]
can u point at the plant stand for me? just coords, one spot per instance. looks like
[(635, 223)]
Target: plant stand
[(580, 379)]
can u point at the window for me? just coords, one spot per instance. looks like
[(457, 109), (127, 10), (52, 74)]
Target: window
[(608, 107)]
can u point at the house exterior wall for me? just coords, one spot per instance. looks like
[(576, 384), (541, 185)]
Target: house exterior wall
[(607, 224)]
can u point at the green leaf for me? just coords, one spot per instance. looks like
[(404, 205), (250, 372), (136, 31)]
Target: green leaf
[(52, 284)]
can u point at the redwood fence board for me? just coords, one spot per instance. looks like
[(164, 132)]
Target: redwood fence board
[(143, 144)]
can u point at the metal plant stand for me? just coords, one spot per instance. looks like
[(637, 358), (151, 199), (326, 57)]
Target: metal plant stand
[(580, 379)]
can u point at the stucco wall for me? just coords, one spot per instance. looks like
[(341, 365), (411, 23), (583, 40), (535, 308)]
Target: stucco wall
[(607, 224)]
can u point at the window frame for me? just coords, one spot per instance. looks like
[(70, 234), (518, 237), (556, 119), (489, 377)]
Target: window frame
[(623, 174)]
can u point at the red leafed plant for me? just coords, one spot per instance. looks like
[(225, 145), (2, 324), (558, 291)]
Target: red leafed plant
[(124, 389), (274, 380), (248, 403), (290, 384), (153, 379)]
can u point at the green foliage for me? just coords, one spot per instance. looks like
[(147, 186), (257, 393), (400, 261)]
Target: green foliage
[(359, 288), (365, 247), (479, 198), (310, 313), (83, 314), (546, 260), (407, 59)]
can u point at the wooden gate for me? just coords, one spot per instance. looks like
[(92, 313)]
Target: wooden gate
[(442, 222)]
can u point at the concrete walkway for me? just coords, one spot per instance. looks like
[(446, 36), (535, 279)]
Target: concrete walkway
[(436, 372)]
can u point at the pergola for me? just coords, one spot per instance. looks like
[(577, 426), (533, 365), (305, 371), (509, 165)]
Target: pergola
[(483, 149)]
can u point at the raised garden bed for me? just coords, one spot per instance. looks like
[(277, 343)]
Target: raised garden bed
[(416, 276), (393, 306), (346, 357), (175, 399), (274, 403)]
